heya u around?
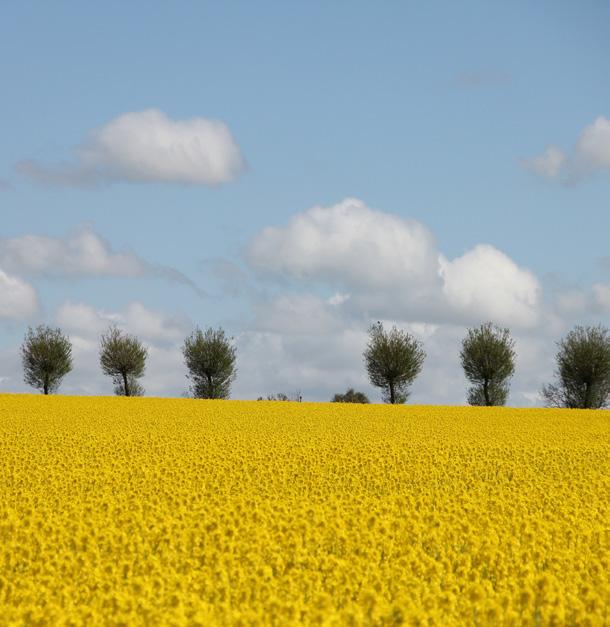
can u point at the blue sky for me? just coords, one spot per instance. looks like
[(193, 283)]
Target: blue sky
[(432, 112)]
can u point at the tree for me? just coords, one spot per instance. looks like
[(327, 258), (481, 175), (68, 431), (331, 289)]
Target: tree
[(393, 360), (46, 355), (210, 359), (123, 357), (350, 397), (488, 360), (583, 370)]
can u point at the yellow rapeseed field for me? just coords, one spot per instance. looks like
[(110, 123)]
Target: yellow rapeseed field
[(183, 512)]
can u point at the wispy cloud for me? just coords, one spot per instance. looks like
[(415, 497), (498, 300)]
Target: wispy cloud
[(144, 147), (82, 253)]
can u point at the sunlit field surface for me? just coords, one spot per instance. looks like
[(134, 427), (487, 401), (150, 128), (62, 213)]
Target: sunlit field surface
[(244, 513)]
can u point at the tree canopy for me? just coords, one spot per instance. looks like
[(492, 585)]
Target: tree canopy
[(210, 359), (583, 370), (46, 355), (393, 360), (123, 357), (488, 360)]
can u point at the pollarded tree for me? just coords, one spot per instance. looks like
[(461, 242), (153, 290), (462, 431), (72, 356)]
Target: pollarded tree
[(488, 360), (583, 370), (46, 355), (210, 359), (123, 357), (351, 396), (393, 359)]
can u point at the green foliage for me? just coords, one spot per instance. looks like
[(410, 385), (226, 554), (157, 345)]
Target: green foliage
[(583, 370), (488, 360), (393, 360), (210, 359), (123, 357), (351, 396), (46, 356)]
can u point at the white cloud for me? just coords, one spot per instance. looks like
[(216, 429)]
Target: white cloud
[(147, 324), (591, 155), (390, 267), (317, 364), (601, 293), (550, 163), (148, 146), (82, 253), (486, 283), (338, 298), (347, 243), (18, 299), (572, 302), (593, 146)]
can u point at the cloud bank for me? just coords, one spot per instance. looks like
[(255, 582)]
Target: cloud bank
[(391, 267), (144, 147)]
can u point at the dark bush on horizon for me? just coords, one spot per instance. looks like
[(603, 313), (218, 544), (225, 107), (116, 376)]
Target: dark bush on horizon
[(351, 396)]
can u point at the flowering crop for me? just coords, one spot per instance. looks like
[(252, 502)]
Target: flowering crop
[(150, 511)]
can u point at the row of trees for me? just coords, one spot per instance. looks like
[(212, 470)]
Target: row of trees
[(393, 360), (46, 355)]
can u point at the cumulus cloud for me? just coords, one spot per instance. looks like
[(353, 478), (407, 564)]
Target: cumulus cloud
[(486, 283), (18, 299), (590, 156), (147, 146), (601, 293), (391, 266), (347, 243), (82, 253)]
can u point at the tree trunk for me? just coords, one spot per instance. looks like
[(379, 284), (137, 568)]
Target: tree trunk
[(210, 390), (125, 384), (587, 399), (392, 395), (486, 392), (45, 386)]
